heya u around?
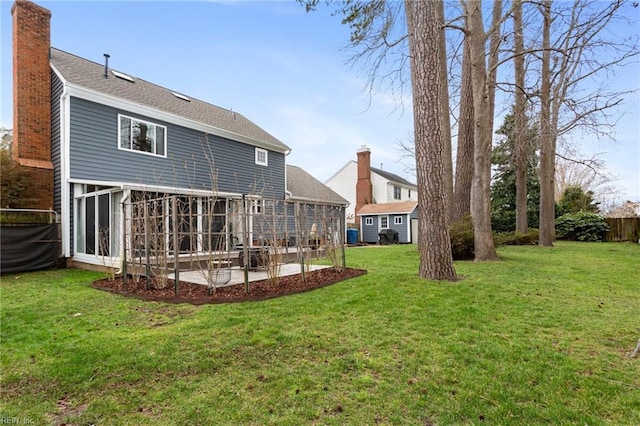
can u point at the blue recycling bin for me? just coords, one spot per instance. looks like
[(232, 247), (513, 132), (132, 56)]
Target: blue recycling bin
[(352, 236)]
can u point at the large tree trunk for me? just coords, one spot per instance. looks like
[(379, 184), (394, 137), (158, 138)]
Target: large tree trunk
[(483, 117), (547, 144), (520, 121), (444, 115), (423, 26), (464, 155)]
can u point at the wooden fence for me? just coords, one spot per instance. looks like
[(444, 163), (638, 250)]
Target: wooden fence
[(623, 229)]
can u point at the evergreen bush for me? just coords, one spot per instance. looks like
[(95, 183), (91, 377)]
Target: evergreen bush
[(517, 238), (581, 226), (462, 245)]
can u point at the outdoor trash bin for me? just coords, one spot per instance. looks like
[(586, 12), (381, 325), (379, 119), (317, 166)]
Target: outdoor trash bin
[(352, 236), (388, 236)]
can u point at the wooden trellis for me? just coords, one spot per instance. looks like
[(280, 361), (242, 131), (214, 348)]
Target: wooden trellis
[(166, 233)]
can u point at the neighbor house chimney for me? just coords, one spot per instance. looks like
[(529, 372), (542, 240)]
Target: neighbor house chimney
[(364, 188), (31, 146)]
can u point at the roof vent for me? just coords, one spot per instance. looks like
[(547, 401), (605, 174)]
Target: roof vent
[(106, 65), (180, 96), (122, 76)]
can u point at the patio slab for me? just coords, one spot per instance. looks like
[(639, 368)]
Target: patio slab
[(237, 274)]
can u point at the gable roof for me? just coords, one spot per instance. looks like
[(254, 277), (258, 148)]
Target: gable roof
[(90, 75), (392, 177), (302, 186), (404, 207), (387, 175)]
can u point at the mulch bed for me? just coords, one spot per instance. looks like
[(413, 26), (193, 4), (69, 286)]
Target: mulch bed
[(197, 294)]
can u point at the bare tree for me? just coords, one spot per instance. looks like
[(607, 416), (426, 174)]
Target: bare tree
[(520, 120), (590, 174), (464, 155), (444, 116), (483, 122), (570, 64), (423, 25)]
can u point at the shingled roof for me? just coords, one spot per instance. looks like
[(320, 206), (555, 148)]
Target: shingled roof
[(403, 207), (90, 75), (392, 177), (302, 186)]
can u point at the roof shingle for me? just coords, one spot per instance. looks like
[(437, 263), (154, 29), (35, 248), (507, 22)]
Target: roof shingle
[(403, 207), (90, 75), (303, 186)]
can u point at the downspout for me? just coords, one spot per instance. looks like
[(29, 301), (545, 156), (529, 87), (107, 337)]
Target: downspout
[(65, 196)]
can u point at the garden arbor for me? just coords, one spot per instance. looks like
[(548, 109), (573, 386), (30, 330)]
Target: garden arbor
[(165, 233)]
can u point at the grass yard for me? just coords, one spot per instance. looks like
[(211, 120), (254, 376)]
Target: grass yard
[(541, 337)]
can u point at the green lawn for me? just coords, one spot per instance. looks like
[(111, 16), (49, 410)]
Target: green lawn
[(541, 337)]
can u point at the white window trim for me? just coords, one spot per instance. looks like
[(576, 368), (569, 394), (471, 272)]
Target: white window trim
[(96, 258), (266, 157), (380, 222), (397, 220), (256, 207), (368, 221), (120, 116)]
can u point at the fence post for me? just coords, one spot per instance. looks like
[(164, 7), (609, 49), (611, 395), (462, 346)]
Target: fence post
[(245, 246), (124, 241), (341, 230), (176, 241)]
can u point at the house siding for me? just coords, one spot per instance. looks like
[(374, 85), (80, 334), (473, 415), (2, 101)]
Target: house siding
[(380, 191), (370, 232), (284, 224), (403, 232), (56, 122), (344, 183), (191, 156)]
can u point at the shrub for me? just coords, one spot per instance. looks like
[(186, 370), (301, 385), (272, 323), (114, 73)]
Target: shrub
[(581, 226), (461, 234), (15, 184), (517, 238)]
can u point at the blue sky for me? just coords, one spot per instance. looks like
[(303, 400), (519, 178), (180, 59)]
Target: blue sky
[(281, 67)]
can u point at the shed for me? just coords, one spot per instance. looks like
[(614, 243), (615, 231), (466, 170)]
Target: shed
[(396, 216)]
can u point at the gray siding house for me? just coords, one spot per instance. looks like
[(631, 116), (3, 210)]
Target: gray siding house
[(120, 134), (401, 217), (114, 137)]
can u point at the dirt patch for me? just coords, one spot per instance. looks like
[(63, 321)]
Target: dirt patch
[(197, 294)]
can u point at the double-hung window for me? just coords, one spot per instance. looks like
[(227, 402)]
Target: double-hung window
[(397, 193), (262, 157), (141, 136)]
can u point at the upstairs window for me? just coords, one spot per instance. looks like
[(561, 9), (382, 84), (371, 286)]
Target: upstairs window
[(142, 136), (397, 193), (262, 157)]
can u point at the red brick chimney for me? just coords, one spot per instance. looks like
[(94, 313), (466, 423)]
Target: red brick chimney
[(364, 188), (31, 146)]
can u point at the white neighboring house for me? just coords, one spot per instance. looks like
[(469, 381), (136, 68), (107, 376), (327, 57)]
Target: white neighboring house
[(352, 183)]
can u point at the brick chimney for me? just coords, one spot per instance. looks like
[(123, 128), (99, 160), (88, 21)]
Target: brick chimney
[(31, 146), (364, 188)]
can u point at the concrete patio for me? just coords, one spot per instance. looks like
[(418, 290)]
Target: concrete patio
[(237, 274)]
